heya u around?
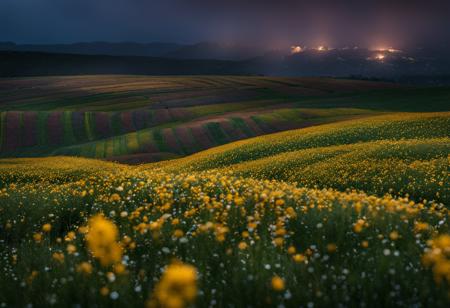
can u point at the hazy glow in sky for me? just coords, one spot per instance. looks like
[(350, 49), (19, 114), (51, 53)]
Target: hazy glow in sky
[(276, 23)]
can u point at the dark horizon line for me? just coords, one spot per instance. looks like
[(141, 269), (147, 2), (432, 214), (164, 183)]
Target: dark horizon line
[(181, 44)]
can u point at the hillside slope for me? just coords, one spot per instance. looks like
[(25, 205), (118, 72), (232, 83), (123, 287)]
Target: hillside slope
[(402, 153), (139, 118)]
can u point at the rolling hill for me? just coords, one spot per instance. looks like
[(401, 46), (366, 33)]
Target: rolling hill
[(399, 153), (313, 131), (138, 118)]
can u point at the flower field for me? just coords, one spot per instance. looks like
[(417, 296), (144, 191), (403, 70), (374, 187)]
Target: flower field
[(84, 232), (352, 212), (387, 127), (397, 153), (418, 168), (79, 231)]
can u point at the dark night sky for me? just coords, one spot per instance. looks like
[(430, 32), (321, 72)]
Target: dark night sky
[(274, 23)]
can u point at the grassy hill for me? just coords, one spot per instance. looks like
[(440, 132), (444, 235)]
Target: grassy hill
[(138, 118), (399, 153)]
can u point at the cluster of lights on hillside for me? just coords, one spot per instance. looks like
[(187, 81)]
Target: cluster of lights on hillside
[(380, 54), (298, 49), (379, 57), (390, 50), (321, 48)]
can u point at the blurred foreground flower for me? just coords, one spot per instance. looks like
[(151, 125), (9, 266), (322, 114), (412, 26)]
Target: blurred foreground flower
[(438, 258), (101, 240), (176, 288), (277, 283)]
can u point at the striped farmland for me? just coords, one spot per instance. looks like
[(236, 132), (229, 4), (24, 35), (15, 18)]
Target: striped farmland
[(116, 117)]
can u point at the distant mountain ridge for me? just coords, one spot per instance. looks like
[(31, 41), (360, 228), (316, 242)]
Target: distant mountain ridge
[(156, 49), (23, 63), (202, 50)]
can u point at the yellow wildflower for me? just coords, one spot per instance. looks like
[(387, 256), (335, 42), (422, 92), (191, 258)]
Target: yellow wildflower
[(58, 256), (84, 268), (242, 245), (176, 288), (178, 233), (331, 247), (277, 283), (299, 258), (47, 228), (71, 249), (101, 240), (394, 235)]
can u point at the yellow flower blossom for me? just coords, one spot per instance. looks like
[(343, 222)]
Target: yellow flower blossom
[(47, 228), (438, 258), (84, 268), (101, 240), (176, 288), (277, 283)]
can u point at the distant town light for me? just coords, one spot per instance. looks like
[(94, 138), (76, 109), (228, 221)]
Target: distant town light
[(384, 49), (393, 50), (380, 57), (296, 49)]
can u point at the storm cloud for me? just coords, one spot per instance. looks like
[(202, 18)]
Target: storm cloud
[(275, 23)]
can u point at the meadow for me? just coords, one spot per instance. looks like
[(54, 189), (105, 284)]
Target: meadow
[(137, 119), (344, 203)]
